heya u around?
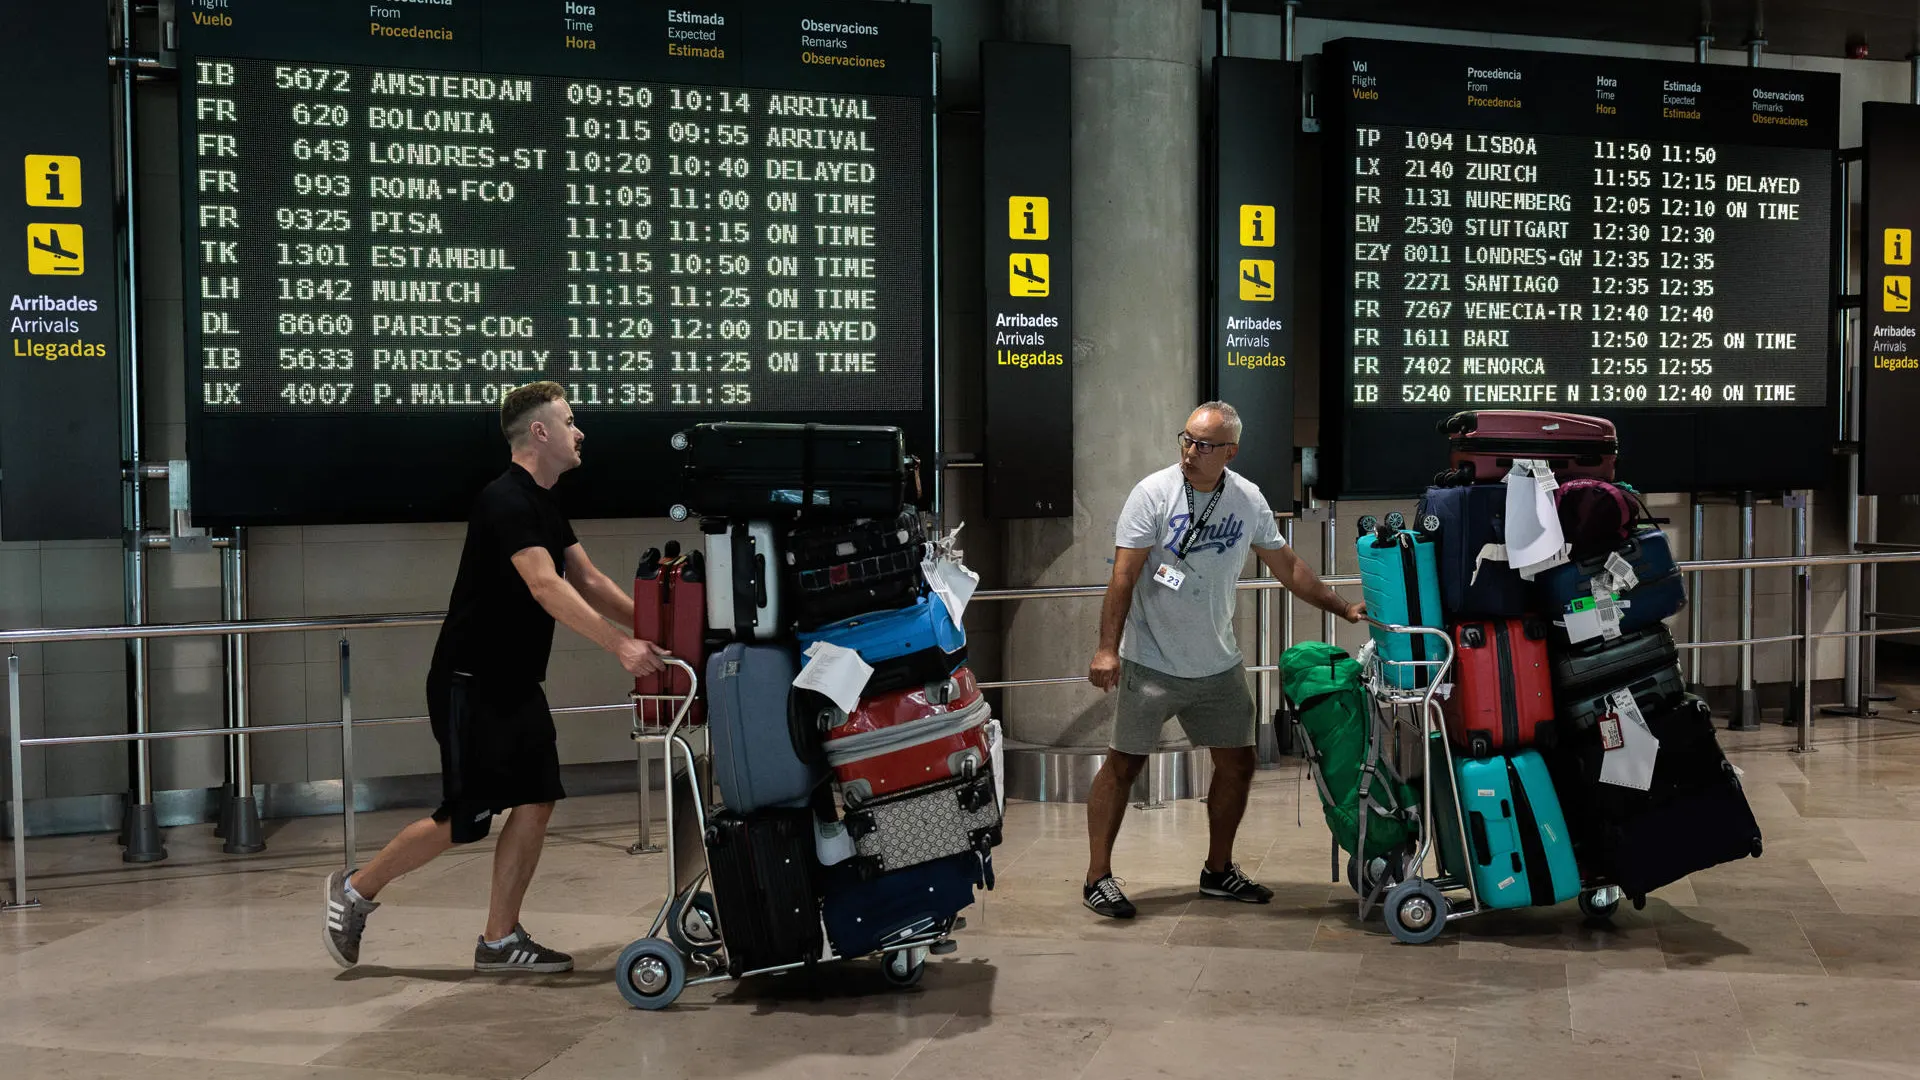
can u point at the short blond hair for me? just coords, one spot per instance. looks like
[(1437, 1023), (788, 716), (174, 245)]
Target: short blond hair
[(517, 408)]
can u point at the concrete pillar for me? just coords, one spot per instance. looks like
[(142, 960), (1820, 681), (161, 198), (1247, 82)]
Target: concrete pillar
[(1136, 317)]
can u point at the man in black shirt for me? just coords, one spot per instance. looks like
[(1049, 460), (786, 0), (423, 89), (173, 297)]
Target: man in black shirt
[(521, 569)]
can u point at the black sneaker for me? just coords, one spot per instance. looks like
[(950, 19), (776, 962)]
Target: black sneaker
[(346, 920), (1104, 897), (520, 953), (1231, 884)]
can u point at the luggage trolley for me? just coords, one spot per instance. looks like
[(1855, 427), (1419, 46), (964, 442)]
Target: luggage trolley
[(652, 972), (1418, 908)]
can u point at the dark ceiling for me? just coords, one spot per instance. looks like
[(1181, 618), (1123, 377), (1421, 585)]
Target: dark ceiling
[(1887, 28)]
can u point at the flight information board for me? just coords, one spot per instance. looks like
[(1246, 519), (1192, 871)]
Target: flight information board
[(681, 213), (1650, 242)]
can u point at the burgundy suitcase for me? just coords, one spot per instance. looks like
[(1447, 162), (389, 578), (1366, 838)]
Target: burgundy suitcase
[(1486, 442), (670, 610), (1502, 699)]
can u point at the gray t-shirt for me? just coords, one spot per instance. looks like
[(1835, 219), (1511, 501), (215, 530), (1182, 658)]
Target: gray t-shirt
[(1188, 632)]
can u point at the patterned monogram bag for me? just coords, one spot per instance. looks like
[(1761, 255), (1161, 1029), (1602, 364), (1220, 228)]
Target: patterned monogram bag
[(926, 823)]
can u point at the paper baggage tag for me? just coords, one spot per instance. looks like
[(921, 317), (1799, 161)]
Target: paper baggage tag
[(837, 672), (1624, 578), (1543, 476), (1169, 577), (952, 582), (1631, 765), (1583, 624)]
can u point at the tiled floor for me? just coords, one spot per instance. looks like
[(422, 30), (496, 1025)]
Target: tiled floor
[(1805, 963)]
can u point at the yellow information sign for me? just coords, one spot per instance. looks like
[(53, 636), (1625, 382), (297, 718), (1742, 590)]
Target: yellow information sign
[(1027, 274), (59, 250), (1256, 225), (1896, 293), (1899, 247), (1027, 217), (1256, 279), (53, 180)]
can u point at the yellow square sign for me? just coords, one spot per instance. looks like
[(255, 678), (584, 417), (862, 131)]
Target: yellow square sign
[(53, 180), (59, 250), (1896, 293), (1256, 225), (1256, 279), (1027, 274), (1899, 247), (1027, 217)]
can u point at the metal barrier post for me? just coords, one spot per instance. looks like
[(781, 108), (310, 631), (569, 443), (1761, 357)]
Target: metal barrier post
[(346, 753), (1696, 619), (243, 836), (1330, 562), (17, 794), (1802, 611), (1746, 707), (1804, 744)]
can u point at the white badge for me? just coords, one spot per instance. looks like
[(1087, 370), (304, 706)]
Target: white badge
[(1169, 577)]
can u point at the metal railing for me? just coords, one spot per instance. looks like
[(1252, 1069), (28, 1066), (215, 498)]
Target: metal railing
[(17, 744)]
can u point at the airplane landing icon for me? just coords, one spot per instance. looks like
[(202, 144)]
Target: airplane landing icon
[(1256, 279), (55, 249), (1898, 293), (1027, 274)]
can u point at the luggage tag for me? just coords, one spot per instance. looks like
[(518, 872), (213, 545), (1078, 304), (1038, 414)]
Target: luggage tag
[(1582, 620), (1624, 579), (1632, 764), (835, 671), (1543, 475), (1169, 577), (1611, 737)]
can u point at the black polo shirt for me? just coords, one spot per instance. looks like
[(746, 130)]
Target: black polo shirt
[(495, 630)]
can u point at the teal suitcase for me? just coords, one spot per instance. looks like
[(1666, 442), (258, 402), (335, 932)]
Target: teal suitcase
[(1400, 580), (1518, 850)]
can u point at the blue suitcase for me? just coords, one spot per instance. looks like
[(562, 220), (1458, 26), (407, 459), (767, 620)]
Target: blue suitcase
[(1659, 594), (1518, 849), (1470, 518), (755, 759), (1400, 579), (907, 647), (865, 916)]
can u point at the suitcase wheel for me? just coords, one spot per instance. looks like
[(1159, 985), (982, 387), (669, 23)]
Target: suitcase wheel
[(1367, 524), (1416, 911), (1598, 905), (903, 967), (1472, 637), (1396, 520), (1430, 524), (651, 973)]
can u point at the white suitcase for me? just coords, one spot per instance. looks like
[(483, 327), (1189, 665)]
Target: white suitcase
[(743, 581)]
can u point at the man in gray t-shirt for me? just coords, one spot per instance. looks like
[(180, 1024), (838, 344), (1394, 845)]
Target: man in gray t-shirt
[(1187, 529)]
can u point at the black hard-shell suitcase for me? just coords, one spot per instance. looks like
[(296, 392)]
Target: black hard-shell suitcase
[(765, 884), (1599, 664), (1693, 816), (764, 471)]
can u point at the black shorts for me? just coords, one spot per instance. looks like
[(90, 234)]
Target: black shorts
[(497, 750)]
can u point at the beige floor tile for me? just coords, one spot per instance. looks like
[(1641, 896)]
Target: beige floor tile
[(1289, 923), (1724, 1067), (47, 1063), (1641, 1011), (1882, 887), (1255, 983), (1865, 946), (1028, 1047), (1830, 1017), (1492, 1058), (1441, 996), (1295, 1050), (1772, 882), (1738, 939)]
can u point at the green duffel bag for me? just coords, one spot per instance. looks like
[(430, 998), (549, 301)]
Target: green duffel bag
[(1336, 724)]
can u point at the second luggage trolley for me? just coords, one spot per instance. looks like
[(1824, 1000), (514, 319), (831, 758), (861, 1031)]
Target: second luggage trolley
[(1416, 907), (653, 971)]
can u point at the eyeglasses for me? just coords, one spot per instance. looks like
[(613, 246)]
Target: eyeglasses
[(1188, 442)]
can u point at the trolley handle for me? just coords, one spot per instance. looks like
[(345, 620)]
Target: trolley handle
[(683, 705)]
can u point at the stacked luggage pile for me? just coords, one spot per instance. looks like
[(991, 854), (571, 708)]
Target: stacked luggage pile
[(1584, 767), (842, 832)]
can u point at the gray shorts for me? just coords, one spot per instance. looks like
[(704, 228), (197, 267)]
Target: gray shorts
[(1215, 711)]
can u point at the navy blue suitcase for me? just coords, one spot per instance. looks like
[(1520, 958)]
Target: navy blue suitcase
[(866, 916), (1470, 518), (1660, 593)]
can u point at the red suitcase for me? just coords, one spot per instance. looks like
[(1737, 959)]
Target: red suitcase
[(670, 610), (905, 739), (1502, 699), (1486, 442)]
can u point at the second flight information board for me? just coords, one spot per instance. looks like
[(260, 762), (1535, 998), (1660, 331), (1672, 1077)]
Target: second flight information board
[(1645, 241), (679, 212)]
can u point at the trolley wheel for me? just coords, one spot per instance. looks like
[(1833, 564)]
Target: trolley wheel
[(903, 967), (693, 926), (1416, 911), (650, 974), (1367, 524), (1396, 520), (1592, 907)]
